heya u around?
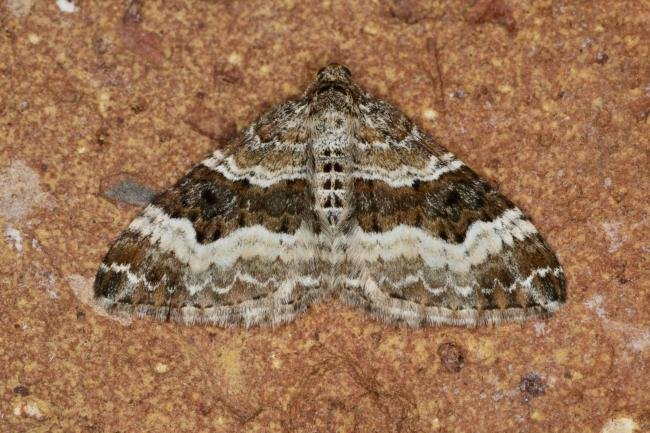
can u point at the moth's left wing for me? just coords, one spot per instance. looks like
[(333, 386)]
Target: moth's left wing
[(231, 243), (432, 242)]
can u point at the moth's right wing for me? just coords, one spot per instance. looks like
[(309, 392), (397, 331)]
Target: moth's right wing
[(431, 242)]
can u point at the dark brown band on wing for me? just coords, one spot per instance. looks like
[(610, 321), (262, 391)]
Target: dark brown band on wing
[(524, 275), (445, 207), (217, 206)]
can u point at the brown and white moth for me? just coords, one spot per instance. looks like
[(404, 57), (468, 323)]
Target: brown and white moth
[(336, 193)]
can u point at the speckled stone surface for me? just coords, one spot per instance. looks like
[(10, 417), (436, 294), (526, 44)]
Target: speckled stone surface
[(549, 100)]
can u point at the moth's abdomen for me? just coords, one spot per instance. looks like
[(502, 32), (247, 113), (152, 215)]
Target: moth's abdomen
[(332, 167)]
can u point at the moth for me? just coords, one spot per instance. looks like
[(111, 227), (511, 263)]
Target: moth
[(333, 194)]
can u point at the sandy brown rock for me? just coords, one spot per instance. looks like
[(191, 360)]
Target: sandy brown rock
[(564, 134)]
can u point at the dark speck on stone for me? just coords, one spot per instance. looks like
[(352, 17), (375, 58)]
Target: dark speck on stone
[(459, 94), (101, 136), (451, 357), (531, 386), (21, 390), (128, 190)]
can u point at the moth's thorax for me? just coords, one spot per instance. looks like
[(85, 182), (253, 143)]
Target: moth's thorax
[(331, 149)]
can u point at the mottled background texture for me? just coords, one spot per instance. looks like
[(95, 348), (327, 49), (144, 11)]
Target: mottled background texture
[(104, 103)]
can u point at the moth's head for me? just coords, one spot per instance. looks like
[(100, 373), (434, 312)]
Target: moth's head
[(333, 88)]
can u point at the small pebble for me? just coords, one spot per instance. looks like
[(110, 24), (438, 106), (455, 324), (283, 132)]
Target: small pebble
[(21, 390), (601, 58), (32, 408), (531, 386), (161, 368), (451, 357), (127, 189)]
